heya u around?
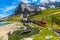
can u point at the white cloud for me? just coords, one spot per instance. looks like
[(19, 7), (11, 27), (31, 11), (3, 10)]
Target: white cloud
[(35, 0), (42, 8), (9, 8), (47, 0), (25, 1), (1, 15), (28, 1), (52, 6), (42, 0), (6, 10), (4, 13), (53, 0)]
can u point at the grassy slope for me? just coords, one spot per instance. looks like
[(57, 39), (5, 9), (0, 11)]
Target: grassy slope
[(39, 36), (45, 32), (48, 20), (14, 18), (45, 13)]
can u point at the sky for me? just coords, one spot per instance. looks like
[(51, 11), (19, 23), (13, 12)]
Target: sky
[(7, 7)]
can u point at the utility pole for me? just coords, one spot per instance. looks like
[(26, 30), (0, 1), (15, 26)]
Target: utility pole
[(52, 20)]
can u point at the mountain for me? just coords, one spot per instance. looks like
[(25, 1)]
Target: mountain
[(50, 4), (1, 19), (31, 8), (57, 4), (35, 8)]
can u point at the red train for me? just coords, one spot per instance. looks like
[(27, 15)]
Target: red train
[(43, 24)]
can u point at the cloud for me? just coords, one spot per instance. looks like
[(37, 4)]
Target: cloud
[(53, 0), (35, 0), (1, 15), (28, 1), (25, 1), (4, 13), (47, 0), (42, 0), (9, 8)]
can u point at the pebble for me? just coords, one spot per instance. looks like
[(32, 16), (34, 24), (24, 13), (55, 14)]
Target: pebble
[(27, 38), (48, 37), (49, 28)]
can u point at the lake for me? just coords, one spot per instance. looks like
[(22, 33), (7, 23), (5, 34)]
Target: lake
[(4, 23)]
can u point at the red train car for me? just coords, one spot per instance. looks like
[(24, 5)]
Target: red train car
[(43, 24)]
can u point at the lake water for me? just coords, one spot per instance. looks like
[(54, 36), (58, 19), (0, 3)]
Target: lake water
[(4, 23)]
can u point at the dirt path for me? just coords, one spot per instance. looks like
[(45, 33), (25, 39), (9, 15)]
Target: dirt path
[(5, 29)]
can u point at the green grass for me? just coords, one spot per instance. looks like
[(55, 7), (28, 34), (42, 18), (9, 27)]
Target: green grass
[(45, 32), (56, 22), (48, 20), (14, 18), (17, 35), (42, 16), (45, 13), (37, 35)]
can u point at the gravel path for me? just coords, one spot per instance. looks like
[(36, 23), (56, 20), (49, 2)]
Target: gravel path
[(5, 29)]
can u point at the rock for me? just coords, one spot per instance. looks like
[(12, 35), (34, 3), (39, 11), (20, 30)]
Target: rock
[(32, 26), (49, 28), (5, 37), (51, 36), (40, 30), (59, 37), (48, 37), (57, 33), (27, 38)]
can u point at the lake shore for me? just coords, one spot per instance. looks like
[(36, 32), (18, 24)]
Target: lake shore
[(6, 28)]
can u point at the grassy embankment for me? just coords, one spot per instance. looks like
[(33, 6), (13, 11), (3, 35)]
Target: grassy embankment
[(39, 36), (14, 19), (44, 32), (48, 19)]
